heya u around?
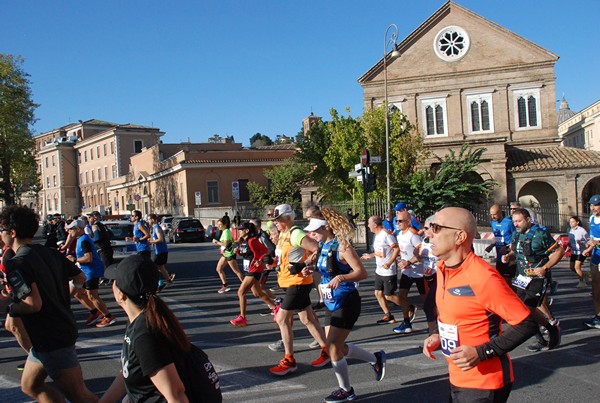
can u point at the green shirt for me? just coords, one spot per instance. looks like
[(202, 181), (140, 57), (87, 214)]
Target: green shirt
[(542, 244), (227, 241)]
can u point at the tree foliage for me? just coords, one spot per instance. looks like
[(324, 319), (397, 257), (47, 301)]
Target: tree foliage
[(452, 182), (285, 182), (17, 166), (258, 140)]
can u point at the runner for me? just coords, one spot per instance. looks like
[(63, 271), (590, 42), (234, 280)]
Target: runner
[(429, 275), (340, 269), (593, 250), (161, 252), (90, 263), (578, 238), (256, 254), (472, 303), (297, 279), (101, 236), (385, 252), (503, 230), (227, 256), (141, 234), (412, 270)]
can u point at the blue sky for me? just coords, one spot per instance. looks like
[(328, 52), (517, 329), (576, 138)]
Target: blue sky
[(196, 68)]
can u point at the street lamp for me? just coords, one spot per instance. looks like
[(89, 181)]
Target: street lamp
[(393, 55)]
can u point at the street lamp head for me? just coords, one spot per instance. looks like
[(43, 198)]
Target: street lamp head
[(395, 54)]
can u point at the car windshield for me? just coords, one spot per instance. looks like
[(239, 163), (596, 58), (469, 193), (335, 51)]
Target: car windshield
[(167, 220), (121, 231), (189, 224)]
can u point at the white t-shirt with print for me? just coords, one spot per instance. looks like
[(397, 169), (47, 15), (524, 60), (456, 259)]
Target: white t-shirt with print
[(383, 244), (407, 242)]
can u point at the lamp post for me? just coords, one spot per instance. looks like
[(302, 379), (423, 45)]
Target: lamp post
[(393, 55)]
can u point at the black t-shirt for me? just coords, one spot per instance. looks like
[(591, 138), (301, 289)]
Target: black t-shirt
[(143, 354), (54, 326)]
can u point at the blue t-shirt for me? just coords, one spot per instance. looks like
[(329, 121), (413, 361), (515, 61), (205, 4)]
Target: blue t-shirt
[(140, 246), (333, 299), (160, 247), (503, 231), (595, 234), (95, 268)]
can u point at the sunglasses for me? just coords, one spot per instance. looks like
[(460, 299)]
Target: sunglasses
[(403, 220), (436, 228), (2, 229)]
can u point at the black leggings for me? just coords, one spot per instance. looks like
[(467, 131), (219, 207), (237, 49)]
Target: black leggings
[(429, 305)]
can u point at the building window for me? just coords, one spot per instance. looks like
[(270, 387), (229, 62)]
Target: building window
[(527, 109), (98, 152), (85, 156), (114, 171), (56, 203), (91, 154), (49, 204), (54, 180), (53, 161), (137, 146), (112, 147), (105, 173), (46, 162), (213, 191), (86, 177), (93, 176), (79, 156), (99, 174), (81, 178), (104, 147), (47, 181), (435, 120), (481, 116), (451, 43), (244, 193)]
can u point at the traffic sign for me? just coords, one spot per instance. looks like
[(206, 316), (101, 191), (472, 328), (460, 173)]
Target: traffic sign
[(358, 167), (198, 196), (353, 174), (375, 159), (137, 197), (235, 190), (364, 157)]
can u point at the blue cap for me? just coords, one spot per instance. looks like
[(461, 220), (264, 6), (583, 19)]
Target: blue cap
[(595, 199), (400, 206)]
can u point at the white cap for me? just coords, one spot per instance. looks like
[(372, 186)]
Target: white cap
[(282, 209), (315, 224), (76, 223)]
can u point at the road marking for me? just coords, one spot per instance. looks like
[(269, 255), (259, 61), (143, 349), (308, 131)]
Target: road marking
[(11, 391)]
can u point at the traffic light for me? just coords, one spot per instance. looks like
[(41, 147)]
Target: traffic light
[(371, 182)]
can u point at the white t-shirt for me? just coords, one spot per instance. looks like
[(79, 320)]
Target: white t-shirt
[(578, 238), (383, 244), (429, 259), (407, 242)]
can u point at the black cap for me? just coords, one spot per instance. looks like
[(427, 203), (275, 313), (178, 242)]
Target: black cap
[(136, 276), (95, 214)]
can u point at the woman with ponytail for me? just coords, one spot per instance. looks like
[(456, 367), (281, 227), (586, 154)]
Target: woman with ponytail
[(154, 339)]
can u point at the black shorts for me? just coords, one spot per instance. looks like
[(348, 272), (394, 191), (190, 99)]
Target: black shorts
[(161, 259), (92, 284), (297, 297), (264, 276), (578, 258), (387, 284), (534, 294), (406, 282), (146, 253), (508, 270), (106, 255), (229, 258), (346, 316), (464, 395), (254, 274)]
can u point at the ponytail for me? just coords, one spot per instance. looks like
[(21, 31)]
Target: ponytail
[(160, 319)]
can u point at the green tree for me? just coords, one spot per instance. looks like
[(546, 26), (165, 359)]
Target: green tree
[(452, 182), (285, 182), (260, 140), (16, 117)]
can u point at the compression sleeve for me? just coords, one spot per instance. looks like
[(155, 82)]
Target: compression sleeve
[(508, 340)]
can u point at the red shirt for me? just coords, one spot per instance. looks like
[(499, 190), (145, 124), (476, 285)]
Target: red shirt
[(475, 298)]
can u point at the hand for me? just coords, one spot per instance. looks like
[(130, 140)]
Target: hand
[(215, 241), (71, 258), (430, 344), (465, 357), (403, 264), (136, 239), (307, 271), (335, 282), (504, 258), (540, 271), (366, 256)]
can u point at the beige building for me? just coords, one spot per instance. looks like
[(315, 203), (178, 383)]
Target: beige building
[(581, 130), (462, 78)]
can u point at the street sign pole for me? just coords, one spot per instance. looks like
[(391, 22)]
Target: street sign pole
[(365, 163)]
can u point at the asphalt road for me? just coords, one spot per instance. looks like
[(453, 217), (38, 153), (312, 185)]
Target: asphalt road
[(241, 356)]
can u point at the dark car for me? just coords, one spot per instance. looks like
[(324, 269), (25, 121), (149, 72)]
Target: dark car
[(186, 230)]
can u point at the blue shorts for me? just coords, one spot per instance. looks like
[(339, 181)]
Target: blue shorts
[(55, 361)]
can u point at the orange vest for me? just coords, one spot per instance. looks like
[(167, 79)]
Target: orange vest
[(285, 278)]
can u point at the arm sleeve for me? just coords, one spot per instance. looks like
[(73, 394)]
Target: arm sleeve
[(509, 340)]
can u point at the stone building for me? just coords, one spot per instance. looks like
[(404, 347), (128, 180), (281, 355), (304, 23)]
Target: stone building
[(462, 78)]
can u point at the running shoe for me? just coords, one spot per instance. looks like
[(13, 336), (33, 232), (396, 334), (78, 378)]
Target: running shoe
[(403, 328), (387, 318), (277, 346), (284, 367), (106, 321), (318, 305), (412, 313), (266, 312), (538, 345), (581, 284), (341, 395), (161, 285), (322, 360), (224, 289), (593, 323), (278, 300), (239, 321), (171, 277), (554, 335), (379, 366), (93, 318), (21, 367), (274, 288), (314, 344)]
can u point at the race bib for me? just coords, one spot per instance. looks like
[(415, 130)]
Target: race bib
[(326, 291), (448, 337), (521, 281), (246, 265)]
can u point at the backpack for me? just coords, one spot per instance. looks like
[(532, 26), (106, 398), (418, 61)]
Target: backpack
[(199, 377), (266, 240)]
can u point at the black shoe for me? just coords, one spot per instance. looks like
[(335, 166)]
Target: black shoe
[(266, 312), (554, 336)]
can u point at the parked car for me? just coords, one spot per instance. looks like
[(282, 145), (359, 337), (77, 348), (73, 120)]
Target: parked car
[(165, 224), (186, 229), (122, 241)]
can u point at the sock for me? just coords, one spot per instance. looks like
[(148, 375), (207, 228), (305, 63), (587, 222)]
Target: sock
[(360, 354), (290, 357), (94, 311), (341, 373), (407, 321)]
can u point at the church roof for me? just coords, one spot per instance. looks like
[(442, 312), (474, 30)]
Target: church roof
[(564, 112), (550, 158)]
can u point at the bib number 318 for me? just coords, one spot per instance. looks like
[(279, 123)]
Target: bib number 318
[(448, 337)]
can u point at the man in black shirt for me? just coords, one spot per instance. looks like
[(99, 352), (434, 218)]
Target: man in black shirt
[(39, 278)]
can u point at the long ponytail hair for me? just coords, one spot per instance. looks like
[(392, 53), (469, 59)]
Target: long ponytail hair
[(160, 319)]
